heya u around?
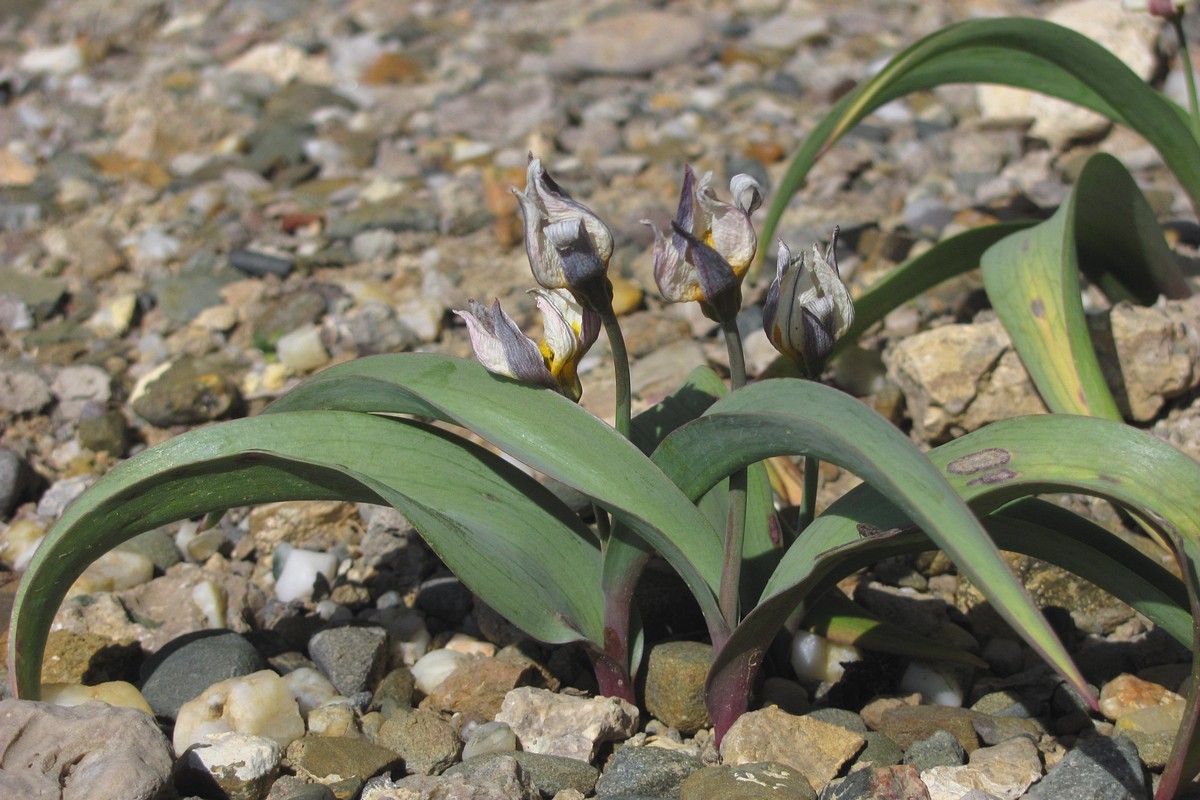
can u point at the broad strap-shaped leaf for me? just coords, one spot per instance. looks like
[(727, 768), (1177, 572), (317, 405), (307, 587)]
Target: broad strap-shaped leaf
[(801, 417), (500, 531), (541, 429), (1104, 228), (1032, 281), (1025, 53)]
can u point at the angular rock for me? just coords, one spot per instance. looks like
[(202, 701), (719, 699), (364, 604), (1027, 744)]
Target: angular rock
[(88, 751), (353, 657), (880, 783), (939, 750), (652, 771), (817, 750), (240, 767), (1127, 693), (423, 739), (330, 759), (479, 685), (563, 725), (501, 779), (908, 724), (1005, 770), (550, 774), (633, 43), (1096, 767)]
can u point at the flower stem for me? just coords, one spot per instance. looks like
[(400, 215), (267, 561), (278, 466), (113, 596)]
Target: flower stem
[(735, 527), (808, 507), (1188, 72), (616, 344)]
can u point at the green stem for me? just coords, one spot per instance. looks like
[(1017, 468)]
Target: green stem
[(1189, 73), (808, 507), (616, 344), (735, 528)]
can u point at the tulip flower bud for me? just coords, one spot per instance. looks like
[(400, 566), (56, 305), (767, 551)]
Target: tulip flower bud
[(568, 246), (808, 308), (568, 330), (1159, 8), (710, 246)]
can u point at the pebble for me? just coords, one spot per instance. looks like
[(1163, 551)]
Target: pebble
[(1127, 693), (647, 771), (551, 774), (300, 572), (479, 685), (433, 668), (326, 759), (563, 725), (675, 676), (631, 43), (23, 391), (114, 693), (14, 479), (426, 741), (817, 750), (259, 704), (754, 781), (310, 689), (816, 659), (302, 350), (243, 767), (353, 658), (190, 665), (907, 724), (881, 783), (490, 737), (187, 392), (1096, 767)]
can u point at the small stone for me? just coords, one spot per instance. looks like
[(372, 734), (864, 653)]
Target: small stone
[(157, 546), (290, 787), (114, 571), (113, 318), (105, 432), (74, 657), (490, 737), (1096, 767), (479, 685), (632, 43), (908, 724), (336, 719), (880, 750), (184, 669), (353, 658), (435, 667), (14, 480), (113, 693), (187, 392), (19, 541), (310, 688), (61, 494), (241, 766), (675, 676), (817, 750), (563, 725), (91, 750), (301, 571), (652, 771), (816, 659), (1127, 693), (1005, 770), (880, 783), (328, 759), (840, 717), (23, 391), (500, 779), (302, 350), (938, 684), (426, 741), (258, 704), (788, 695), (395, 691), (551, 774), (753, 781), (258, 264), (373, 245), (445, 597)]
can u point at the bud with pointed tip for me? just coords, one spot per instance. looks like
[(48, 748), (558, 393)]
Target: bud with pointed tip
[(710, 246), (568, 330), (808, 308), (568, 246)]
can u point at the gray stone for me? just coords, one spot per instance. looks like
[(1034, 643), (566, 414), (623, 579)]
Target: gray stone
[(550, 774), (500, 779), (394, 692), (880, 750), (633, 43), (61, 494), (319, 757), (840, 717), (41, 294), (1098, 768), (289, 787), (393, 216), (423, 739), (497, 112), (353, 658), (157, 546), (651, 771), (939, 750), (22, 391), (93, 751), (182, 670), (182, 297), (675, 676), (879, 783), (755, 781), (282, 315), (77, 386), (14, 480), (105, 431)]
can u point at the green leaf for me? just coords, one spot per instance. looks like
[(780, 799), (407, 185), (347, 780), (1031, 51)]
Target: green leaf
[(785, 416), (1032, 279), (504, 534), (541, 429), (1025, 53)]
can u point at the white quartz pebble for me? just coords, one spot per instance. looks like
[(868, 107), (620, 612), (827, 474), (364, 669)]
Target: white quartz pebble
[(816, 659), (300, 571), (114, 693), (434, 667), (490, 737), (259, 704), (310, 689), (114, 571), (302, 350), (211, 600), (938, 684)]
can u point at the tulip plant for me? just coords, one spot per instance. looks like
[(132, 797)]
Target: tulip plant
[(684, 481)]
